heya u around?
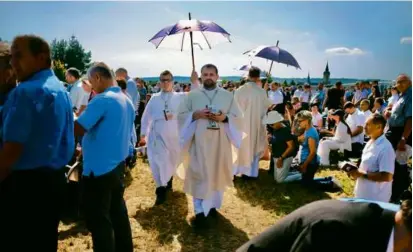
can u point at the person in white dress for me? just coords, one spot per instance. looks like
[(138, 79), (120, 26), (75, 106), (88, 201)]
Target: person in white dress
[(375, 174), (341, 140), (254, 104), (160, 133)]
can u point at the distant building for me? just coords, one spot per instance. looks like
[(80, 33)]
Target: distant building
[(326, 75)]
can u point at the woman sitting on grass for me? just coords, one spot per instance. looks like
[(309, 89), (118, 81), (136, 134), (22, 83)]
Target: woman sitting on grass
[(341, 140)]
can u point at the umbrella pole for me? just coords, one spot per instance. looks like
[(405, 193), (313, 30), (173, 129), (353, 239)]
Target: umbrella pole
[(269, 72), (192, 46)]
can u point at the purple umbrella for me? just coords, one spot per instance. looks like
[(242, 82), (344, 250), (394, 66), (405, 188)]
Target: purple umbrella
[(274, 53), (201, 33)]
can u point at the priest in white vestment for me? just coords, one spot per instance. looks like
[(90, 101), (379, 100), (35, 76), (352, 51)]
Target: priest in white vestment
[(159, 130), (254, 103), (209, 123)]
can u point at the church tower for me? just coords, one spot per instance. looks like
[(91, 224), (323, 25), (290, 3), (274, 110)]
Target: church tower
[(326, 75)]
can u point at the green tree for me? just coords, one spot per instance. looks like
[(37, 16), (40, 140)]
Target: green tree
[(71, 53), (59, 69), (285, 83), (292, 83)]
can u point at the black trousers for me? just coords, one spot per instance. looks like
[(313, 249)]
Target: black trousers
[(319, 183), (30, 207), (105, 211), (138, 118), (401, 178)]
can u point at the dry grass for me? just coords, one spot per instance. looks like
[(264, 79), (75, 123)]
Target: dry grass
[(248, 209)]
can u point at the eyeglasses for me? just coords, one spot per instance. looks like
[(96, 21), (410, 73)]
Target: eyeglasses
[(165, 80)]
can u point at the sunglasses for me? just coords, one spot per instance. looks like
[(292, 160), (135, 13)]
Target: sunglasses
[(165, 80)]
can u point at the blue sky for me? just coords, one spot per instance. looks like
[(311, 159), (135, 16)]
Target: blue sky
[(358, 39)]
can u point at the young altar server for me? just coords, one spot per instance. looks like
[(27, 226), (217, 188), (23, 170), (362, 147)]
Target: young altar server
[(159, 130), (209, 123)]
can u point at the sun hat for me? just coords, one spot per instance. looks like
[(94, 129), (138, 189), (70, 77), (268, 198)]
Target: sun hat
[(272, 117)]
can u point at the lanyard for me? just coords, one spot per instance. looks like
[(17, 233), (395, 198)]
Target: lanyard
[(166, 101), (209, 98)]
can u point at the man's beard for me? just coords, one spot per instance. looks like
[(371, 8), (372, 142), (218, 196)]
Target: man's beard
[(209, 84)]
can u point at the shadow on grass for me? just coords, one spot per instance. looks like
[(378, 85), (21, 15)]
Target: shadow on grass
[(169, 221), (279, 198), (74, 230)]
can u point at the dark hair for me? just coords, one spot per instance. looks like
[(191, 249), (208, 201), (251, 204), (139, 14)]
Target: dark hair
[(379, 100), (210, 66), (167, 72), (102, 69), (348, 105), (406, 208), (121, 84), (74, 72), (314, 104), (339, 84), (288, 105), (378, 119), (37, 45), (254, 72), (122, 70), (340, 113)]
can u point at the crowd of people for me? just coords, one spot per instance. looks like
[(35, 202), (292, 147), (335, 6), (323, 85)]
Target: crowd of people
[(205, 134)]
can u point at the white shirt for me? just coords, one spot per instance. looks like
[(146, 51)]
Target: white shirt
[(78, 95), (276, 97), (355, 120), (298, 93), (378, 156), (366, 115), (316, 119), (342, 137), (305, 96), (393, 99)]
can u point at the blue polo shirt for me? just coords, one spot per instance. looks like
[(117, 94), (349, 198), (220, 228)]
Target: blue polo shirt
[(38, 114), (108, 121)]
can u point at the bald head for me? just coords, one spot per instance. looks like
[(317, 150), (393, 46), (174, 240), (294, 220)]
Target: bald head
[(403, 82)]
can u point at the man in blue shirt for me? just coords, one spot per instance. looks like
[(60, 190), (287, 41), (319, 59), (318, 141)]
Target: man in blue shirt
[(37, 143), (106, 126), (400, 132)]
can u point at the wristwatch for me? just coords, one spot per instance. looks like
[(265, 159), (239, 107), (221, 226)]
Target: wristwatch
[(403, 138)]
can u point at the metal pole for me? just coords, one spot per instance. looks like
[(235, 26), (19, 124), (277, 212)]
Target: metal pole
[(192, 46), (269, 72)]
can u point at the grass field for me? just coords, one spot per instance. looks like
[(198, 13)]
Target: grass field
[(248, 208)]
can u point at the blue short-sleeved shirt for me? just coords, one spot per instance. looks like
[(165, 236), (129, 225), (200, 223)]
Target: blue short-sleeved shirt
[(305, 150), (108, 121), (38, 114), (402, 110)]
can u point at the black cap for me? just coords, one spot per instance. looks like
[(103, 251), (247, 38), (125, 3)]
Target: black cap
[(338, 112)]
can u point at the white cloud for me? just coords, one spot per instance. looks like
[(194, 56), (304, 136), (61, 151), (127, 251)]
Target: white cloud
[(406, 40), (344, 51)]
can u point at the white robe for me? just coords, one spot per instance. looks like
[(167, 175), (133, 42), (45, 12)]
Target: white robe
[(162, 136), (208, 154), (254, 103)]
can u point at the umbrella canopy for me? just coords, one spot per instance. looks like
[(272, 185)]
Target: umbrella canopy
[(245, 67), (202, 34), (274, 53), (205, 35)]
